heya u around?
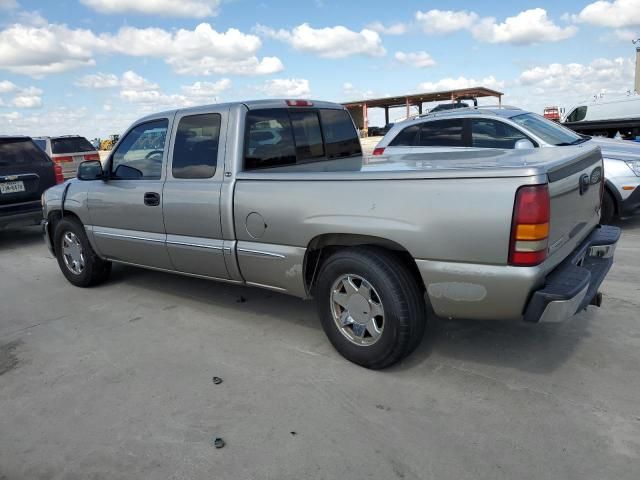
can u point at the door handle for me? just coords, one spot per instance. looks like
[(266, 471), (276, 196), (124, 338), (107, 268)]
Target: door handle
[(152, 199)]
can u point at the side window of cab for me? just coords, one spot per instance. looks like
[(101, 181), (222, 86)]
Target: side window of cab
[(139, 155)]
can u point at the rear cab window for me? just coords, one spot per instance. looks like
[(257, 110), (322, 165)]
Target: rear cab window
[(279, 137), (70, 145)]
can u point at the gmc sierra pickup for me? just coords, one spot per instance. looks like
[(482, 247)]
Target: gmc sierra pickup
[(276, 194)]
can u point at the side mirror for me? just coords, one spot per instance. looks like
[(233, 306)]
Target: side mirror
[(125, 172), (523, 144), (90, 170)]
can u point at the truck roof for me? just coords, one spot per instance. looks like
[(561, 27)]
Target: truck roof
[(250, 104)]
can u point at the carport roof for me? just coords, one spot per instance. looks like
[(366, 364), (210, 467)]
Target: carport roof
[(401, 100)]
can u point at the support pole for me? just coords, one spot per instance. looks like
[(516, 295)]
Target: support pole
[(365, 119), (386, 116), (420, 108), (408, 107)]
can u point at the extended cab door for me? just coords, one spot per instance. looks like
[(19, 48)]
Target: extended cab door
[(126, 208), (192, 193)]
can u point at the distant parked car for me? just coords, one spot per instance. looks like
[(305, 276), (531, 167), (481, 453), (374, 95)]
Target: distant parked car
[(68, 151), (25, 173), (512, 128)]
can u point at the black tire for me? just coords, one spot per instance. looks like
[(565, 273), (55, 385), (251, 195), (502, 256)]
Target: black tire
[(95, 269), (608, 213), (402, 300)]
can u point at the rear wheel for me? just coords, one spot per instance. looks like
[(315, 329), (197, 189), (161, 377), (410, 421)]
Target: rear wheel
[(76, 258), (370, 306), (608, 212)]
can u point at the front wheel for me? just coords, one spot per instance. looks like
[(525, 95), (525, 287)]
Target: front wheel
[(370, 306), (608, 209), (76, 258)]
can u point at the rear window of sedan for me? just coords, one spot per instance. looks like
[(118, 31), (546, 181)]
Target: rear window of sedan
[(71, 145)]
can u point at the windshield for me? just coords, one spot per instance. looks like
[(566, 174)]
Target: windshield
[(551, 132)]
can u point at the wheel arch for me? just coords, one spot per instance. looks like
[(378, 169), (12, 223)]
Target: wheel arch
[(615, 194), (322, 246), (53, 218)]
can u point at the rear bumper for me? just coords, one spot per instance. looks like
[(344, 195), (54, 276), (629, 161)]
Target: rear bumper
[(26, 213), (573, 284)]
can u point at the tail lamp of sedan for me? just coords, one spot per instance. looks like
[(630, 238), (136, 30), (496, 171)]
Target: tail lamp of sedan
[(530, 226)]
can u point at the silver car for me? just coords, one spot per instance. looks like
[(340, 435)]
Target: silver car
[(68, 151), (471, 129)]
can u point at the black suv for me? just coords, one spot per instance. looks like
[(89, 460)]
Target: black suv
[(25, 172)]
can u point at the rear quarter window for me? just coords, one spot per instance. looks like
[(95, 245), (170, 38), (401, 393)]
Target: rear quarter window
[(71, 145)]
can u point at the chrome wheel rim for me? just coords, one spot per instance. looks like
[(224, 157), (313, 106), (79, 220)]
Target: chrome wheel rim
[(72, 253), (357, 310)]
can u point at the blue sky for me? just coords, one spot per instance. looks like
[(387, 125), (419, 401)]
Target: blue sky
[(94, 66)]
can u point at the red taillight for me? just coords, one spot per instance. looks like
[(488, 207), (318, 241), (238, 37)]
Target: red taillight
[(530, 226), (378, 151), (92, 156), (58, 171), (299, 103), (62, 159)]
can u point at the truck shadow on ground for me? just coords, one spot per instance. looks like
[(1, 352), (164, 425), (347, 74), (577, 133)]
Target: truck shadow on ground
[(515, 345), (16, 238)]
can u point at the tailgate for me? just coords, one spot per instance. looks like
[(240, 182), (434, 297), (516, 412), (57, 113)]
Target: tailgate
[(575, 190)]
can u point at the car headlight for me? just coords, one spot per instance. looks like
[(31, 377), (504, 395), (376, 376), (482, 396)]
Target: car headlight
[(635, 166)]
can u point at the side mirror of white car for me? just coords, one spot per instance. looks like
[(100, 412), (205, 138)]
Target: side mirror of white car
[(523, 144)]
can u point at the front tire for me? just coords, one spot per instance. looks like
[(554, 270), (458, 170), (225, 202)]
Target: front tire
[(370, 305), (608, 212), (78, 261)]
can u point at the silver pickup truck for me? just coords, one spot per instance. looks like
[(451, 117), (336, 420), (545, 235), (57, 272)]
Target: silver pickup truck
[(276, 194)]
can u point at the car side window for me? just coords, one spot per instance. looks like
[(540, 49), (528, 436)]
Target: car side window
[(406, 138), (577, 115), (441, 133), (139, 155), (487, 133), (195, 152)]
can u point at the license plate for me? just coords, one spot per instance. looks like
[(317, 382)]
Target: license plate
[(78, 158), (12, 187)]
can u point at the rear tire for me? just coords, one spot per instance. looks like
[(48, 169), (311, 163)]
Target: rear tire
[(370, 306), (608, 212), (78, 261)]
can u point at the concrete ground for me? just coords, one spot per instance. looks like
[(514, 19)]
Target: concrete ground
[(116, 382)]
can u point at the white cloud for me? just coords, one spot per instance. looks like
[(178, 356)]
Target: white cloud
[(398, 28), (26, 101), (329, 42), (166, 8), (98, 80), (286, 87), (6, 86), (40, 50), (436, 22), (528, 27), (132, 81), (8, 4), (52, 48), (415, 59), (206, 89), (461, 82), (616, 13), (351, 92)]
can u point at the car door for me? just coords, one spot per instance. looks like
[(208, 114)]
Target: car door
[(191, 193), (126, 208)]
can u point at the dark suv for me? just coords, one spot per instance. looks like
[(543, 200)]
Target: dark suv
[(25, 173)]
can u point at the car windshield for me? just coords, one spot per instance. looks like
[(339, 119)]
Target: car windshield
[(549, 131)]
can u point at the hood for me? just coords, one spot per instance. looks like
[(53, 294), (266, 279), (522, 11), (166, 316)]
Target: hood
[(617, 149)]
